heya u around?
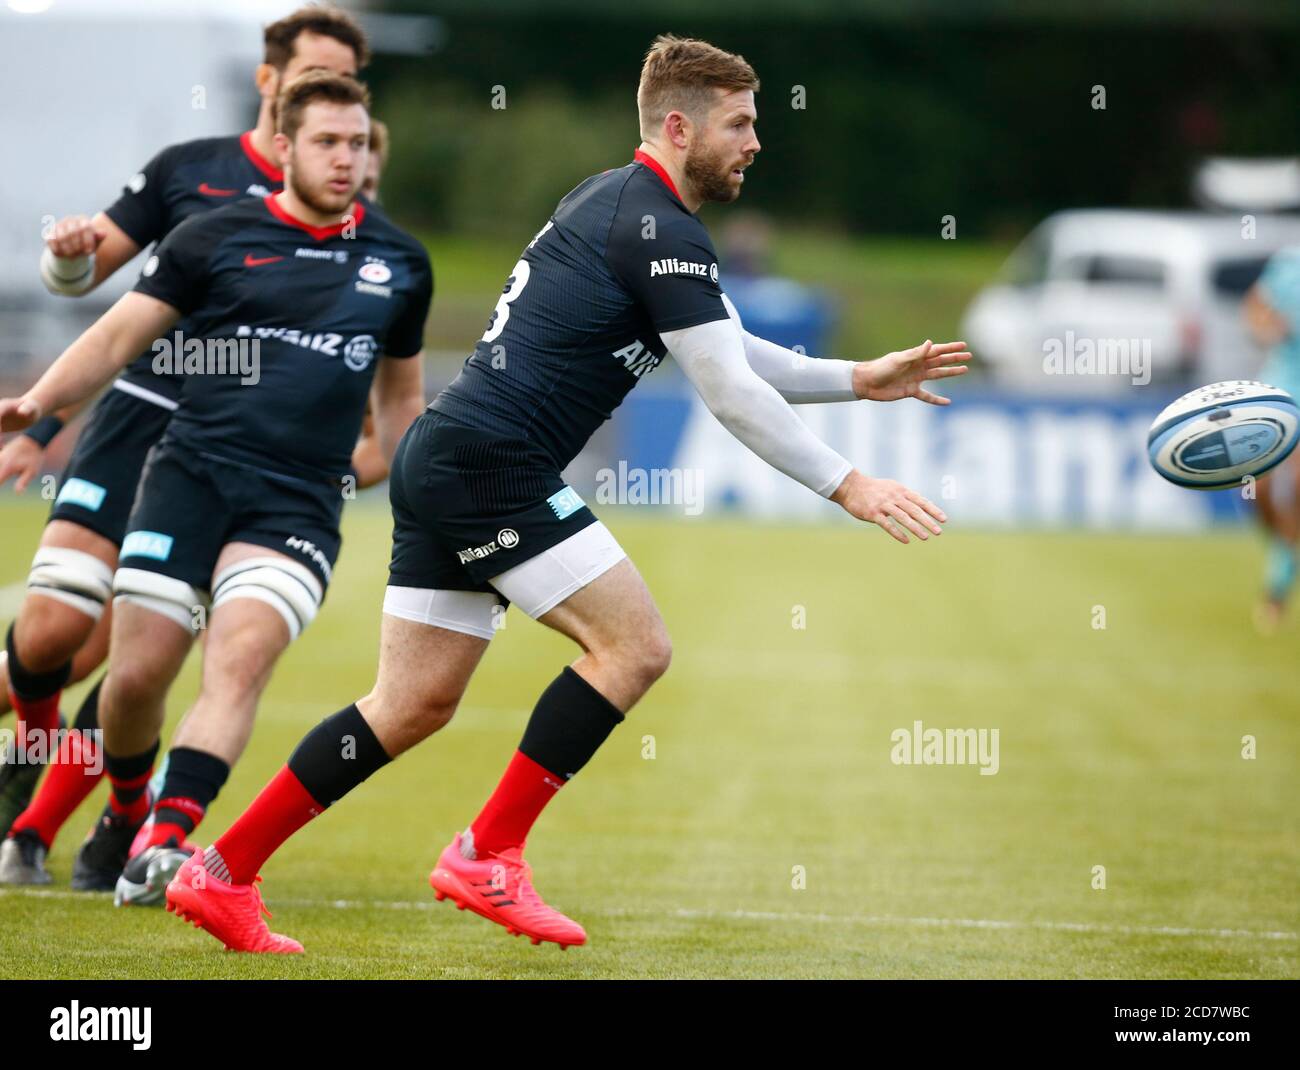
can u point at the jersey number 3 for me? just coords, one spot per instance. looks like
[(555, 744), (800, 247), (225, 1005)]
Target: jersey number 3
[(514, 287)]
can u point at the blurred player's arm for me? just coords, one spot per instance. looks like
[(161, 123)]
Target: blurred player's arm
[(367, 456), (1266, 324), (398, 398), (397, 394), (712, 356), (103, 350), (803, 380), (81, 252)]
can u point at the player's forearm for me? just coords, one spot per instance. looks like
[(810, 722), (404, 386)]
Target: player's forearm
[(712, 357), (797, 377), (103, 350), (391, 421), (83, 368), (368, 462), (800, 379)]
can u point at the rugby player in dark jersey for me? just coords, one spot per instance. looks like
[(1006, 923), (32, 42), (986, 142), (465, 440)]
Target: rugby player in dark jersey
[(62, 629), (623, 273), (295, 305)]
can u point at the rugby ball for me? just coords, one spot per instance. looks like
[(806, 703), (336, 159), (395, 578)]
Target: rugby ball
[(1215, 436)]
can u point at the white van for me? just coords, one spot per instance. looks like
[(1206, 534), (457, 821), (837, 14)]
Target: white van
[(1165, 284)]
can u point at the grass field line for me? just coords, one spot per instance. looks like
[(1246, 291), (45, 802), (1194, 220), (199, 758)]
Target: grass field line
[(766, 915)]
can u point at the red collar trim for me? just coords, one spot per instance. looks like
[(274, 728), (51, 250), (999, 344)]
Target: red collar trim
[(657, 168), (358, 213), (258, 160)]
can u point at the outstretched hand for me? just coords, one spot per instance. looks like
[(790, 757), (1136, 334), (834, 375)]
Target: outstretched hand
[(903, 374), (20, 460), (18, 414)]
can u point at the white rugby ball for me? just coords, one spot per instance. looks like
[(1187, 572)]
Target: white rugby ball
[(1215, 436)]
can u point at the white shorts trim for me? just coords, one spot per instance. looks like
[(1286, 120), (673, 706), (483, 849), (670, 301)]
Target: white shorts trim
[(145, 395), (471, 612), (541, 583)]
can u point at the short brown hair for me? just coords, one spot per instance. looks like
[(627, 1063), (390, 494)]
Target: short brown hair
[(310, 87), (280, 37), (379, 140), (682, 74)]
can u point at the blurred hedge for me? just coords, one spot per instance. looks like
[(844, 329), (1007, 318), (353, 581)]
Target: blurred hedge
[(906, 120)]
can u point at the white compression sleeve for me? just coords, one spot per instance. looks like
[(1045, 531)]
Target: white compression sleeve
[(72, 275), (712, 355), (797, 377)]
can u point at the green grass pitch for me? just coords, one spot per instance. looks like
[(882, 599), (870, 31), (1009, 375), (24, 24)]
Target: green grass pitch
[(771, 835)]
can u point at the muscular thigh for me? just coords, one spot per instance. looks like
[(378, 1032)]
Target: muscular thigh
[(246, 633), (68, 535), (615, 609)]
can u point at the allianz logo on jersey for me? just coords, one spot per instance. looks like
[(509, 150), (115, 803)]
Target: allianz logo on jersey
[(338, 256), (507, 539), (357, 352), (673, 266), (637, 359)]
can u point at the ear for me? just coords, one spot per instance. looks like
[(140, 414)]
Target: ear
[(267, 80), (283, 150), (678, 129)]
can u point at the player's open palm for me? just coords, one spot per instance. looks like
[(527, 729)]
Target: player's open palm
[(20, 460), (905, 373), (889, 504)]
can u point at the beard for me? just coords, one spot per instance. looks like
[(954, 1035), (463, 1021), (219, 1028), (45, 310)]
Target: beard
[(322, 199), (710, 173)]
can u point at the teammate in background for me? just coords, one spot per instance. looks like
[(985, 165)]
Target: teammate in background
[(61, 634), (1272, 312), (623, 273), (378, 160), (297, 303), (145, 883)]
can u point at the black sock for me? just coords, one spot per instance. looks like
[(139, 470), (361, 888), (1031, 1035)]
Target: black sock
[(336, 756), (569, 723), (193, 780), (129, 775), (33, 686)]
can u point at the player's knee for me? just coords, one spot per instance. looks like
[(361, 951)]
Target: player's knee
[(47, 634), (647, 658), (658, 654), (437, 714), (406, 719), (239, 660), (131, 685)]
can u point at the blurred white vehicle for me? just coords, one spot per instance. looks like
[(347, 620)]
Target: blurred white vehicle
[(1166, 286)]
